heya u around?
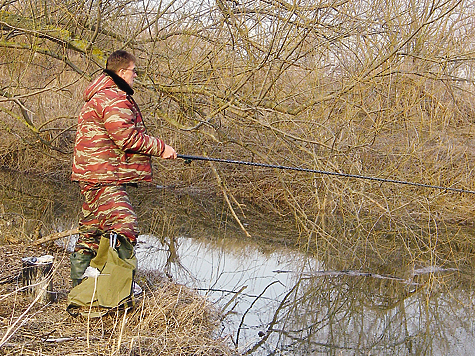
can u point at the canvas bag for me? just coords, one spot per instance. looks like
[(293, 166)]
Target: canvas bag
[(113, 286)]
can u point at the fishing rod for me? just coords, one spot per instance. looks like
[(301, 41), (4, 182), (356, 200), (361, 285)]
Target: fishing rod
[(189, 158)]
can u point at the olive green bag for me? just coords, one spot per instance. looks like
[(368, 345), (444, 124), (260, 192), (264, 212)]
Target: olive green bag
[(112, 288)]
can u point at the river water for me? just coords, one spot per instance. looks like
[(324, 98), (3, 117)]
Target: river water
[(275, 298)]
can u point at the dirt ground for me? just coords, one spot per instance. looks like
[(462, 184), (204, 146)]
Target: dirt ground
[(169, 319)]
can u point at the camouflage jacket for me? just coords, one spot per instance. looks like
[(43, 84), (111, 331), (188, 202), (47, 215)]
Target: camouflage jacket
[(112, 145)]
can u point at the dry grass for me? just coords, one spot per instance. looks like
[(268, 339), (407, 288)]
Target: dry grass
[(169, 320)]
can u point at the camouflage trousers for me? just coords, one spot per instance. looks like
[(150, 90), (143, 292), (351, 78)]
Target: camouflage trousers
[(106, 208)]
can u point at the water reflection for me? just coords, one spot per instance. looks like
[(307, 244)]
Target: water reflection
[(305, 311), (243, 282), (276, 300)]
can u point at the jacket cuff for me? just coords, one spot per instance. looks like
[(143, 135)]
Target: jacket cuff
[(162, 145)]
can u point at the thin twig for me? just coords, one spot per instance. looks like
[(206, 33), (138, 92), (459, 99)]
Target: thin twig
[(223, 189)]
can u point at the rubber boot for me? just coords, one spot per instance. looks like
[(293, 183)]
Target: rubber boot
[(79, 263), (125, 252), (125, 249)]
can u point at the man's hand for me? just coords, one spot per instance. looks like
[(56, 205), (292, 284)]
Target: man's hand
[(168, 152)]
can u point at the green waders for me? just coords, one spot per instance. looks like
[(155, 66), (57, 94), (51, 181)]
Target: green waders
[(113, 286), (79, 263)]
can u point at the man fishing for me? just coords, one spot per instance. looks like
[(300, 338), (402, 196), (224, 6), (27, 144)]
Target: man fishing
[(112, 150)]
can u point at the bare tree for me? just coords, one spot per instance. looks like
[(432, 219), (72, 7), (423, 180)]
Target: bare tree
[(366, 87)]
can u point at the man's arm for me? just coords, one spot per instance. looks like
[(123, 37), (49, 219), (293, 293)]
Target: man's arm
[(123, 131)]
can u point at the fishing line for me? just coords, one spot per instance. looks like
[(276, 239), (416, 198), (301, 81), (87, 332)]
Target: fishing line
[(189, 158)]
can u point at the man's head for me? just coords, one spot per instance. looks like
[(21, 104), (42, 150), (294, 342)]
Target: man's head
[(122, 63)]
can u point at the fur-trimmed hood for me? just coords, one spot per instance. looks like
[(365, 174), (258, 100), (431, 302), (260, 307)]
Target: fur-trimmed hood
[(108, 79)]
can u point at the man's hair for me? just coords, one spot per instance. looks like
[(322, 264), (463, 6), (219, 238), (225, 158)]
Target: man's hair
[(119, 60)]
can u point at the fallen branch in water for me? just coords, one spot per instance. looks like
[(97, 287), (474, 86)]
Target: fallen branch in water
[(415, 272), (56, 236)]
